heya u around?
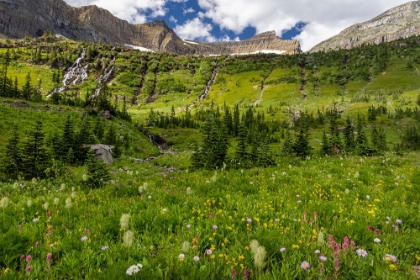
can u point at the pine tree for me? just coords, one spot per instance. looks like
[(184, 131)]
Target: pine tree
[(362, 144), (13, 160), (325, 148), (287, 149), (27, 88), (99, 129), (16, 93), (97, 172), (111, 136), (349, 136), (6, 62), (67, 139), (35, 158), (301, 146), (216, 143), (241, 149), (236, 121), (265, 157)]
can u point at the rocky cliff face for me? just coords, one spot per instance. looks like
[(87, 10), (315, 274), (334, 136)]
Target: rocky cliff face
[(399, 22), (19, 18)]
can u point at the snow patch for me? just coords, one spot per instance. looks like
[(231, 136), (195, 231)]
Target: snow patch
[(139, 48), (59, 36), (261, 51), (190, 42)]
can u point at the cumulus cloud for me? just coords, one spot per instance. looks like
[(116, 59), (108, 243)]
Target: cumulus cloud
[(324, 18), (195, 29), (173, 19), (188, 11)]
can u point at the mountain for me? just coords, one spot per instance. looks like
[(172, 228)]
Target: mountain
[(400, 22), (19, 18)]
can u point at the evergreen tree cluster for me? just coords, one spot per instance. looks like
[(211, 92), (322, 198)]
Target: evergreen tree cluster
[(38, 156), (350, 140), (29, 159), (252, 134)]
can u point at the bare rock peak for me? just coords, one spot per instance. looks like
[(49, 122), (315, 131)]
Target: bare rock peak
[(92, 23), (399, 22)]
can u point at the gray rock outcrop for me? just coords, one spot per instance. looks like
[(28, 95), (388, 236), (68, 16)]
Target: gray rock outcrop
[(400, 22), (102, 152), (19, 18)]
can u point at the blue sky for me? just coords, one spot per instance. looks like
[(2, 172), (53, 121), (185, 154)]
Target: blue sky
[(308, 21)]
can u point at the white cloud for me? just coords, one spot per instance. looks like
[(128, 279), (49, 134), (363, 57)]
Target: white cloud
[(314, 33), (188, 11), (173, 19), (195, 29), (325, 18)]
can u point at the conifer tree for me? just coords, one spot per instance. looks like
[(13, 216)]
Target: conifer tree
[(301, 146), (236, 121), (325, 148), (15, 93), (97, 172), (34, 157), (362, 144), (6, 62), (67, 138), (241, 149), (27, 88), (111, 136), (265, 157), (349, 140), (287, 149), (99, 129), (13, 160)]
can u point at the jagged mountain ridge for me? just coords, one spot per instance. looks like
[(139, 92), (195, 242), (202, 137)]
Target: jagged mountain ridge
[(19, 18), (400, 22)]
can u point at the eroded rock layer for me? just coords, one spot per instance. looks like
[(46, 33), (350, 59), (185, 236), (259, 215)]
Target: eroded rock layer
[(400, 22), (19, 18)]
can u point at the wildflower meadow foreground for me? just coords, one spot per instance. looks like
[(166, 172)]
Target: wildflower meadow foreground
[(330, 218)]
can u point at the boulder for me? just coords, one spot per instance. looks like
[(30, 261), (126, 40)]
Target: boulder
[(102, 152)]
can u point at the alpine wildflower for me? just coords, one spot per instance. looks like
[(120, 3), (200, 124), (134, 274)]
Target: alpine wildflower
[(134, 269), (282, 250), (259, 256), (125, 221), (128, 238), (323, 258), (84, 238), (68, 202), (181, 257), (361, 253), (390, 258), (305, 265), (185, 246), (4, 202)]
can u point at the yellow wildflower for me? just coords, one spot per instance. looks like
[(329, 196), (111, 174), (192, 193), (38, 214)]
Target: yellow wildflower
[(392, 267)]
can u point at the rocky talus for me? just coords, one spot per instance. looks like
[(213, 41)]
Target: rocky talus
[(400, 22), (19, 18)]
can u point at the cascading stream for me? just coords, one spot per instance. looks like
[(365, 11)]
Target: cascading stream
[(77, 73)]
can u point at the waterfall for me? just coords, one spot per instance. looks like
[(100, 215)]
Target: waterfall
[(77, 73), (209, 84), (103, 78)]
